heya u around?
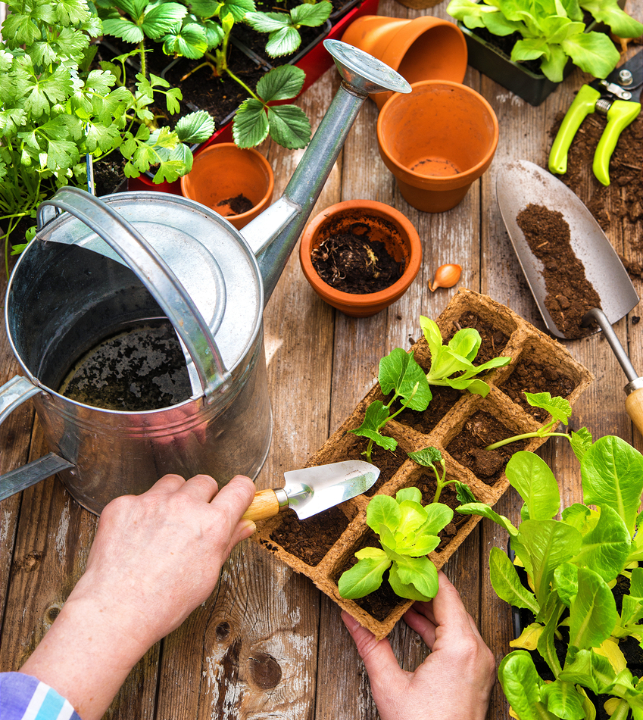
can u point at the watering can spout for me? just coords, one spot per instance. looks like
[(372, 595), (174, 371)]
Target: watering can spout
[(273, 234)]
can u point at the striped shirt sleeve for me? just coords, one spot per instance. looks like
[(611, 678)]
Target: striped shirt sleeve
[(23, 697)]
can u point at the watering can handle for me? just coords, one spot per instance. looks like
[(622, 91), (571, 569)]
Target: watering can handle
[(154, 273), (12, 394)]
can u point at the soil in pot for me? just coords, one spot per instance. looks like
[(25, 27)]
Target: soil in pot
[(427, 486), (569, 293), (383, 601), (234, 205), (109, 174), (622, 200), (444, 398), (480, 430), (530, 376), (310, 539), (505, 45), (353, 263), (494, 340)]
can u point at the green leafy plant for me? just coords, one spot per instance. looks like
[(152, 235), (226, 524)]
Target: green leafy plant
[(202, 29), (452, 364), (400, 374), (560, 411), (407, 532), (283, 27), (571, 566), (53, 111), (552, 31)]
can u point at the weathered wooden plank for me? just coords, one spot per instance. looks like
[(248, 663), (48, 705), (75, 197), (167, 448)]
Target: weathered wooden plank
[(251, 650)]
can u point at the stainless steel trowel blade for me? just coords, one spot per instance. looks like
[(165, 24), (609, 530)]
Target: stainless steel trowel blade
[(314, 489), (520, 183)]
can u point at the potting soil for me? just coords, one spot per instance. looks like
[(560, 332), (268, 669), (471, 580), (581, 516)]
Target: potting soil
[(493, 339), (569, 293), (234, 205), (444, 398), (351, 263), (141, 369)]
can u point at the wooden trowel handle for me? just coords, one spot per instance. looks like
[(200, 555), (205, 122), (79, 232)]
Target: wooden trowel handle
[(264, 506), (634, 407)]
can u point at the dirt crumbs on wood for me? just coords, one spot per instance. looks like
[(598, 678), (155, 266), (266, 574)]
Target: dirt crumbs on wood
[(383, 601), (427, 486), (494, 340), (569, 293), (479, 431), (623, 198), (234, 206), (352, 263), (310, 539), (387, 462), (531, 377)]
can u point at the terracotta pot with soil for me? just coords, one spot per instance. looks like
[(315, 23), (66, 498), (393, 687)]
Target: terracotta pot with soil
[(460, 425), (360, 256), (436, 141), (427, 48), (238, 184)]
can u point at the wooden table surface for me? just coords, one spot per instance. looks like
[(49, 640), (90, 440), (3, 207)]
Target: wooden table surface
[(268, 644)]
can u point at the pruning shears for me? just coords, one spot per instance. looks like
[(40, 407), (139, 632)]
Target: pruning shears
[(617, 97)]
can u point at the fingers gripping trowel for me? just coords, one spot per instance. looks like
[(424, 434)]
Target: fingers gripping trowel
[(313, 489), (521, 183)]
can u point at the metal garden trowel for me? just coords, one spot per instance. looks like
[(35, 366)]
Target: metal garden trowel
[(313, 489), (521, 183)]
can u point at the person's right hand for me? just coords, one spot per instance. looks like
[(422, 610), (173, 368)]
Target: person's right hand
[(454, 682)]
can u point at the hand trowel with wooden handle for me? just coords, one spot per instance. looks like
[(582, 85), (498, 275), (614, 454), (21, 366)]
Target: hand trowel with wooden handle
[(521, 183), (311, 490)]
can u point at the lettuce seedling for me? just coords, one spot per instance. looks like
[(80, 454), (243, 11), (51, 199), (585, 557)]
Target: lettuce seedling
[(407, 533), (400, 374), (560, 411), (571, 565), (431, 457), (452, 364)]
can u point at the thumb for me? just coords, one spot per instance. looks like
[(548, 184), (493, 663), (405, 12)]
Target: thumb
[(379, 660)]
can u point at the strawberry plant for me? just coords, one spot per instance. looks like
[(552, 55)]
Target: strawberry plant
[(571, 566), (54, 111), (407, 533), (552, 31), (202, 29)]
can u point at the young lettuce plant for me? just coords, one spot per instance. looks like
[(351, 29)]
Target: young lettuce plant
[(560, 411), (552, 31), (407, 532), (431, 457), (571, 566), (452, 364), (398, 373)]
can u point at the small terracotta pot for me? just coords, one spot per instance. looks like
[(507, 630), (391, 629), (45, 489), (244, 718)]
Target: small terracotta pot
[(224, 171), (426, 48), (436, 141), (386, 225)]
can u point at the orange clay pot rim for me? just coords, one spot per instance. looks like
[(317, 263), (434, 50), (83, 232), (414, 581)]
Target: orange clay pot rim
[(470, 91), (262, 161), (408, 34), (355, 299)]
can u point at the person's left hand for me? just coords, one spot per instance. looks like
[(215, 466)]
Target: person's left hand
[(155, 558)]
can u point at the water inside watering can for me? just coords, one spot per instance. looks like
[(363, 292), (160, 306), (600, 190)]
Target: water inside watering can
[(140, 368)]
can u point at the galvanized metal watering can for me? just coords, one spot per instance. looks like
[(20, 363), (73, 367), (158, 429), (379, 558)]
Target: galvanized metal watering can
[(103, 265)]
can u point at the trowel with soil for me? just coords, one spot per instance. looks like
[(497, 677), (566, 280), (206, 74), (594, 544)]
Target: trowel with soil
[(574, 273)]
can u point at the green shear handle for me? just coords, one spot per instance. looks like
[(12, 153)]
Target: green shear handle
[(620, 114)]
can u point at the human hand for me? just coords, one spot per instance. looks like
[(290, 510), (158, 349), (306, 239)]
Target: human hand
[(453, 682), (155, 558)]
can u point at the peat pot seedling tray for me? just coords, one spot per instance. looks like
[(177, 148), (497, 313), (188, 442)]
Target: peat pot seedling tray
[(460, 425)]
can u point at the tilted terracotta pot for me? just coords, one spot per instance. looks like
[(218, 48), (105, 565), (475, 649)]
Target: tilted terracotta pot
[(387, 225), (426, 48), (222, 172), (436, 141)]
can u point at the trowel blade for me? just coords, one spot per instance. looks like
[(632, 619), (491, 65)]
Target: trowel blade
[(314, 489), (520, 183)]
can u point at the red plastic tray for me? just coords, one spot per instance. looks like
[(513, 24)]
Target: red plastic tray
[(314, 64)]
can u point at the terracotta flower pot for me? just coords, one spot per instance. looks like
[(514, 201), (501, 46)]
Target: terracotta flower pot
[(386, 225), (436, 141), (426, 48), (221, 173)]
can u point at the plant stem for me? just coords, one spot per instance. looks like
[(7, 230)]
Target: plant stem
[(441, 483), (141, 48), (207, 63), (243, 85), (621, 712), (538, 433)]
